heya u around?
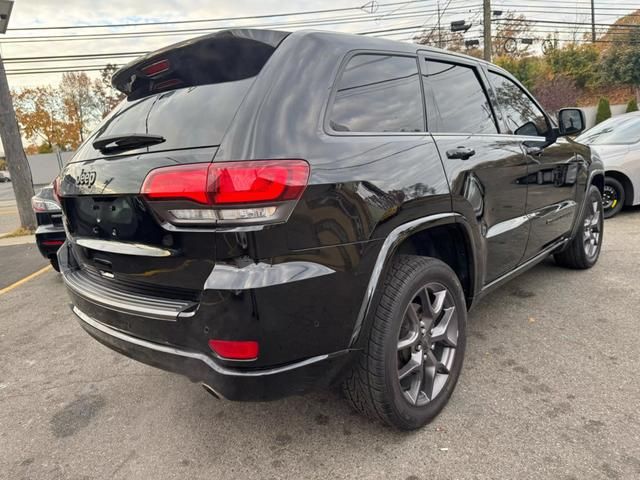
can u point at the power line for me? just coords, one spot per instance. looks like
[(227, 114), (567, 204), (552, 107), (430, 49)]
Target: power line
[(559, 22), (163, 33), (208, 20), (63, 58)]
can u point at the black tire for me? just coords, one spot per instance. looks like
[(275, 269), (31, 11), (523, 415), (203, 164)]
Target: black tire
[(373, 386), (54, 263), (579, 254), (613, 198)]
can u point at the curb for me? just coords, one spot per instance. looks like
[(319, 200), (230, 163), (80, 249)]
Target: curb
[(22, 240)]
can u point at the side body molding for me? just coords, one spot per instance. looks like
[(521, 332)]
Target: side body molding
[(259, 275), (393, 240)]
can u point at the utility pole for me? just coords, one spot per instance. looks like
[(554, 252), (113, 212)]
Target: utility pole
[(10, 135), (593, 21), (487, 30)]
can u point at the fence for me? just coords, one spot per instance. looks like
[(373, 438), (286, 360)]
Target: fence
[(46, 166)]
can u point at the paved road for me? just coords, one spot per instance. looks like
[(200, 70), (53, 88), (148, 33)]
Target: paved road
[(9, 220), (16, 262), (550, 390)]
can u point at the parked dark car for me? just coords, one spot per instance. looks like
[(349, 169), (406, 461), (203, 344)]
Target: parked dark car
[(50, 232), (269, 213)]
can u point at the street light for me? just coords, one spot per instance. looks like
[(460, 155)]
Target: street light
[(5, 12)]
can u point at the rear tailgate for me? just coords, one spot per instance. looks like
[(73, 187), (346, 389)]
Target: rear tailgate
[(190, 104)]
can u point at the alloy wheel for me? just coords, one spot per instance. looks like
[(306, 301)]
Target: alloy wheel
[(427, 344), (592, 230)]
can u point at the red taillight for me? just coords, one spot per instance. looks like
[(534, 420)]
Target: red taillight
[(257, 182), (166, 84), (52, 243), (250, 182), (156, 68), (235, 350), (187, 182)]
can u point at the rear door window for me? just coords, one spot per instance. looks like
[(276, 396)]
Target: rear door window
[(378, 93), (456, 100), (522, 115)]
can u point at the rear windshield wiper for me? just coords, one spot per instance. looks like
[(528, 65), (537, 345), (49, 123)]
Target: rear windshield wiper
[(127, 141)]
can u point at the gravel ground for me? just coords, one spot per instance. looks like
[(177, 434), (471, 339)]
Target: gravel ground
[(550, 389)]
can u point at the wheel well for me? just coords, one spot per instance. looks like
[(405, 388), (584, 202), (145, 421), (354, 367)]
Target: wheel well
[(449, 244), (598, 181), (626, 183)]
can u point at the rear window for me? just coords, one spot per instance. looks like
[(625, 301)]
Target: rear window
[(378, 93), (187, 117), (187, 93)]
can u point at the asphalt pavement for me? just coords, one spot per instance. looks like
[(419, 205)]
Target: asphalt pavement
[(550, 390), (8, 212)]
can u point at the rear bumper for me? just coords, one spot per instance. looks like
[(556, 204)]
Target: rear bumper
[(46, 234), (228, 383)]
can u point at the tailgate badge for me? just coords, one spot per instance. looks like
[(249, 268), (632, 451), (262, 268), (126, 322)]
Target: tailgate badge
[(87, 178)]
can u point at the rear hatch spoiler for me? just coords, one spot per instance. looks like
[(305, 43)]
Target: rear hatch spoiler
[(235, 54)]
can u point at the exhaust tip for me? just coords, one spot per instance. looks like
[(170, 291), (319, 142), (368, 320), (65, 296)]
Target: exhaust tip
[(211, 391)]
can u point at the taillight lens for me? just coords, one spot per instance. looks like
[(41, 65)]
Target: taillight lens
[(256, 182), (245, 192), (156, 68), (235, 350), (186, 182), (41, 205)]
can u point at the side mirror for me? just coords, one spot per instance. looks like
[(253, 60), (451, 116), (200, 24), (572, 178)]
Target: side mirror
[(571, 121)]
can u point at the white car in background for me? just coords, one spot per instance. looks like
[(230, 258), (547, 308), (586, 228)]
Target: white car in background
[(617, 142)]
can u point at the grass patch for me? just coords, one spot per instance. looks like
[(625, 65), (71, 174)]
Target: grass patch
[(18, 232)]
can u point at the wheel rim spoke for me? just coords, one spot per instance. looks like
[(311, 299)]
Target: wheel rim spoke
[(409, 341), (434, 377), (412, 366), (446, 331), (427, 344)]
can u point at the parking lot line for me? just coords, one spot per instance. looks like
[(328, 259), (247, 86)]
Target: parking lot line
[(25, 280)]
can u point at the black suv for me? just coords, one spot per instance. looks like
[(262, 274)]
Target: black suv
[(270, 212)]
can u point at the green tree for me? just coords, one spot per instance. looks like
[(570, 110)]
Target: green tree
[(632, 106), (604, 110), (529, 70), (621, 62), (576, 62)]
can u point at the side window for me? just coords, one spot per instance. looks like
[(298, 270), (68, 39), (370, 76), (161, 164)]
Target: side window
[(456, 101), (523, 117), (378, 93)]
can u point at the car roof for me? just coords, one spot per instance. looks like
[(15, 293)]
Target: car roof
[(349, 41)]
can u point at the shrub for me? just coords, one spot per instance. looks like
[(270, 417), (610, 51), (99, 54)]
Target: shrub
[(632, 106), (604, 110)]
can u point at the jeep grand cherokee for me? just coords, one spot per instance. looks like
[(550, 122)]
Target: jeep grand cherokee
[(271, 212)]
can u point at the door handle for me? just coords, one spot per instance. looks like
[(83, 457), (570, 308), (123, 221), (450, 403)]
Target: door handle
[(460, 153)]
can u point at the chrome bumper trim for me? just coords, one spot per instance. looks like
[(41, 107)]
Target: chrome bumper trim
[(189, 354)]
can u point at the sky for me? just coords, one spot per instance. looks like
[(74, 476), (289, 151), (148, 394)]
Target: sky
[(374, 16)]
